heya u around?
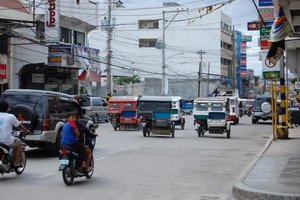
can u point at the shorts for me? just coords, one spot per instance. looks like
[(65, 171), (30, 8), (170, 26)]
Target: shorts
[(17, 142)]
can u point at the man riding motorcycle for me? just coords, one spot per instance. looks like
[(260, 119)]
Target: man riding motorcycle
[(7, 121)]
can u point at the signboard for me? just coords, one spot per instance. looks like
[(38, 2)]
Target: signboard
[(265, 32), (270, 71), (118, 87), (38, 78), (265, 3), (52, 26), (267, 13), (297, 85), (2, 71), (264, 44), (253, 26), (58, 53), (246, 38)]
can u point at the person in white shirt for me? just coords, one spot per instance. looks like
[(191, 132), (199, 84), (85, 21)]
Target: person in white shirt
[(7, 121)]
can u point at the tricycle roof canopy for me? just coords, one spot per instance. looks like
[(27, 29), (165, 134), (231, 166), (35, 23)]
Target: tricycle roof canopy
[(155, 98), (123, 98)]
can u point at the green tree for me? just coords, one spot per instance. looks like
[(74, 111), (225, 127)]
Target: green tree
[(124, 80)]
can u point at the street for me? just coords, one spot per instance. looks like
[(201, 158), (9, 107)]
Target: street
[(129, 166)]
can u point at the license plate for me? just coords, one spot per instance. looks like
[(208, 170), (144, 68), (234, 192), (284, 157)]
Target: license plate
[(64, 162), (127, 119)]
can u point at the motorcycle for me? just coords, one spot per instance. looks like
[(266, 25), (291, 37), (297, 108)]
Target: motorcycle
[(70, 165), (7, 156)]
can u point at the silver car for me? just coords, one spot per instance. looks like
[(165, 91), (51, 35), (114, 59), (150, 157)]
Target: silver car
[(96, 107)]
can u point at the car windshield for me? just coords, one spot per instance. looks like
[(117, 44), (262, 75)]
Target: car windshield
[(154, 106), (202, 106), (32, 101), (217, 106), (174, 111), (84, 102)]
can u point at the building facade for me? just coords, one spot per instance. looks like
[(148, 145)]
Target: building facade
[(137, 42), (55, 48)]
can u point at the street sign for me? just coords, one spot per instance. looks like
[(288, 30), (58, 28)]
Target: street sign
[(246, 38), (266, 13), (270, 72), (265, 3), (264, 44), (265, 32), (297, 85)]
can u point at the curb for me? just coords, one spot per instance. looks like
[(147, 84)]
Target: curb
[(244, 192)]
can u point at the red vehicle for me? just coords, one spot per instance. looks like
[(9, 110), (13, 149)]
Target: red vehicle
[(122, 112)]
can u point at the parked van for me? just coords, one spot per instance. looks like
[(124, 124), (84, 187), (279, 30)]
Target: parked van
[(96, 107)]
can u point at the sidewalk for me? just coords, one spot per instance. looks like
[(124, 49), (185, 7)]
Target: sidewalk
[(274, 173)]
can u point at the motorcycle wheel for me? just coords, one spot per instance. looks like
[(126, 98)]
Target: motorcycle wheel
[(90, 173), (20, 170), (67, 175), (144, 131)]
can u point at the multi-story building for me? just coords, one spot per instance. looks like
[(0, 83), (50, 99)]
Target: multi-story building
[(55, 47), (13, 15), (189, 36)]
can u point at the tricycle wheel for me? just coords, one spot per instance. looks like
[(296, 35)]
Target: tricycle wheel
[(144, 131), (182, 123), (228, 132), (173, 129)]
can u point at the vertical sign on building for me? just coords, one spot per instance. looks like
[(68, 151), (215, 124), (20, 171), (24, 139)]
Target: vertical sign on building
[(243, 60), (2, 71), (52, 25)]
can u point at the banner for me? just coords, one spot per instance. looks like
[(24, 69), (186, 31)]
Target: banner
[(281, 28), (2, 71), (52, 25), (265, 3)]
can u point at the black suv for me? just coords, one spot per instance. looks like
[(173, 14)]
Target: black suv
[(262, 109), (44, 114)]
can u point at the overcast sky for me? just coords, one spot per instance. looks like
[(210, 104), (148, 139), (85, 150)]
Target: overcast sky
[(241, 12)]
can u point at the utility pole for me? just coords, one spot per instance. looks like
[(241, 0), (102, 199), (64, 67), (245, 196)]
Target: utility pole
[(200, 71), (208, 72), (163, 56), (108, 54), (233, 70), (163, 52)]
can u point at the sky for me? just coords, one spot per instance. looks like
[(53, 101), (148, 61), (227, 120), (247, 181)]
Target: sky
[(241, 12)]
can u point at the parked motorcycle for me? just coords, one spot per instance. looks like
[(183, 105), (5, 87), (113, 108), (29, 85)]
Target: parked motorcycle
[(7, 156), (70, 165)]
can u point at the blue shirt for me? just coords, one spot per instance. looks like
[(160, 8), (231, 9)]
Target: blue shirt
[(68, 135)]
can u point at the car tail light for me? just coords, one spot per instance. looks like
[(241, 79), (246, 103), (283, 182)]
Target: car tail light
[(46, 124)]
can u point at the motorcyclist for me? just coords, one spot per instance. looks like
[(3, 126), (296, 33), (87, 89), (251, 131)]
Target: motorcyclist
[(7, 121), (70, 137)]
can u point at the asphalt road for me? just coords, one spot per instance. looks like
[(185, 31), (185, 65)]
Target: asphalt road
[(132, 167)]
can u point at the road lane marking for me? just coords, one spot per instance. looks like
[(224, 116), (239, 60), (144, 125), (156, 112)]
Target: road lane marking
[(47, 175), (101, 158)]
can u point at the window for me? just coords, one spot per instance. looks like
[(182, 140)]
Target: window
[(97, 102), (148, 24), (147, 42), (40, 30), (65, 35), (79, 38), (3, 44)]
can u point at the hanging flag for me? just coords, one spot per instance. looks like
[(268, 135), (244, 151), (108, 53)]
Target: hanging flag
[(95, 75), (280, 28), (82, 76)]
